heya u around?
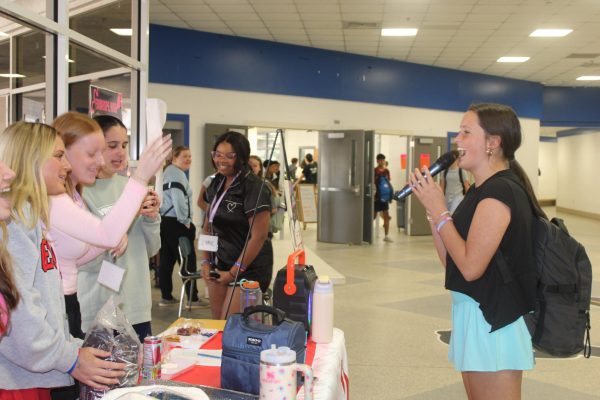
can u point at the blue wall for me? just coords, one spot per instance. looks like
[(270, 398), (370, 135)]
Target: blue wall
[(192, 58), (569, 106)]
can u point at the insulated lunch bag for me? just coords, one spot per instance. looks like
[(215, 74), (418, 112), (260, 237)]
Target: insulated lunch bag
[(243, 340)]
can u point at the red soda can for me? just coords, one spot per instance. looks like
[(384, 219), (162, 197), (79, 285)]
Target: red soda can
[(151, 363)]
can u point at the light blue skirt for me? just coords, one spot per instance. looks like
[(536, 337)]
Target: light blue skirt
[(474, 348)]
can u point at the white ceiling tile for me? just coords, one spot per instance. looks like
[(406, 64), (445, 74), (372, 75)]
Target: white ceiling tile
[(234, 9), (321, 17), (234, 17), (366, 17), (318, 8), (173, 23), (199, 17), (165, 17), (208, 26), (268, 17), (284, 23), (256, 32), (275, 8), (323, 24), (159, 7), (189, 8)]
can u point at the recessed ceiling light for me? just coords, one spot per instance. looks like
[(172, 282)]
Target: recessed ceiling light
[(399, 32), (589, 78), (512, 59), (122, 31), (2, 34), (12, 76), (550, 32)]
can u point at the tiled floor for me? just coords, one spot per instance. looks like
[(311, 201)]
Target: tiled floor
[(393, 304)]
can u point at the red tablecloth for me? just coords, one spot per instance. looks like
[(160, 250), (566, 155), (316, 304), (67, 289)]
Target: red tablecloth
[(211, 376)]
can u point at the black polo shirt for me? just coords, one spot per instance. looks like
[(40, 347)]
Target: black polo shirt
[(230, 223)]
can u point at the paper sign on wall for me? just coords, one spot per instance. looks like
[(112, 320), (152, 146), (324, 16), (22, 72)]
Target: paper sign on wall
[(425, 160), (403, 161)]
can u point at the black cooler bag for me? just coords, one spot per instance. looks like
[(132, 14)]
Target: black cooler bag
[(244, 339)]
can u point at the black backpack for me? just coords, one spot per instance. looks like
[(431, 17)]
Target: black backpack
[(560, 324)]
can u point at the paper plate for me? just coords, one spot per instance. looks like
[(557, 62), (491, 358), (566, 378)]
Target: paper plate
[(138, 392)]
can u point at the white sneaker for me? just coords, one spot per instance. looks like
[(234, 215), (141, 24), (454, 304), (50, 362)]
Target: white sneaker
[(388, 239)]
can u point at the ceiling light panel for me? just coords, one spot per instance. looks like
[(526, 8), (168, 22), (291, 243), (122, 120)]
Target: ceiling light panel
[(550, 32), (512, 59), (399, 32)]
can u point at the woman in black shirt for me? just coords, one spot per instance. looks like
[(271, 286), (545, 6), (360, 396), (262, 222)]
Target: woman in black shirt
[(490, 342), (238, 212)]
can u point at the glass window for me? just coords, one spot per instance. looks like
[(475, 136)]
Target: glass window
[(97, 24), (29, 106), (29, 58), (4, 62), (79, 93), (265, 142), (37, 6), (83, 61)]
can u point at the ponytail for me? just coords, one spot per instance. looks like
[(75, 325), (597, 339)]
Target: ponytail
[(518, 170)]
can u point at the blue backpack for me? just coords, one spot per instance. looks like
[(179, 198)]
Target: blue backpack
[(385, 191)]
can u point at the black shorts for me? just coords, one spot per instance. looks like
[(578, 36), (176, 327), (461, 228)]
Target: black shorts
[(381, 206)]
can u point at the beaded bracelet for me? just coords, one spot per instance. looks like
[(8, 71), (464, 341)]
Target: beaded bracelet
[(241, 266), (443, 222), (205, 261)]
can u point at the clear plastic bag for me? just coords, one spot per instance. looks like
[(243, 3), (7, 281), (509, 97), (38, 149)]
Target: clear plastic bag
[(112, 332)]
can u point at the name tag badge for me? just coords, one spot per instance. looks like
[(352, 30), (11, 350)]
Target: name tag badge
[(111, 276), (208, 243)]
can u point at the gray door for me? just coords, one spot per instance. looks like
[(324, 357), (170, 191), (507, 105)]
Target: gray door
[(369, 191), (421, 150), (211, 133), (341, 183)]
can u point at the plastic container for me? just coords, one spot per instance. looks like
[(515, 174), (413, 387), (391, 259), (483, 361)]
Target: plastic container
[(278, 375), (250, 295), (322, 311)]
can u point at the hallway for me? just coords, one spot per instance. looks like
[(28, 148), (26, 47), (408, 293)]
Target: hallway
[(394, 302)]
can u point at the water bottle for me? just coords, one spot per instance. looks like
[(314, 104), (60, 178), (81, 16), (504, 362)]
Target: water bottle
[(322, 311), (250, 295)]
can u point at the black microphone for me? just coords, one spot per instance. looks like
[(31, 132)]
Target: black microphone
[(438, 166)]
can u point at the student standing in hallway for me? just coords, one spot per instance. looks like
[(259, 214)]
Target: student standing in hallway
[(490, 343), (383, 194), (176, 213)]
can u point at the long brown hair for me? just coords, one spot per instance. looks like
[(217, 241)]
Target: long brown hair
[(72, 126), (8, 289), (501, 120)]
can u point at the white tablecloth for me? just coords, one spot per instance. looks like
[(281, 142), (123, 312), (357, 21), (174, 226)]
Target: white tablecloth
[(330, 368)]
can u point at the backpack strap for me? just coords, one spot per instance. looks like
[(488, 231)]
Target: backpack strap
[(177, 185)]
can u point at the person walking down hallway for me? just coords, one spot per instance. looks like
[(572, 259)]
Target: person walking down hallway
[(383, 194), (490, 343), (176, 213), (310, 170)]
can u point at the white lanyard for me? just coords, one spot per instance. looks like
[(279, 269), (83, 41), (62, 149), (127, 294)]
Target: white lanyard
[(212, 210)]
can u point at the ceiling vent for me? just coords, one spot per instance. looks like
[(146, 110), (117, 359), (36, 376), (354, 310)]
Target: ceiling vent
[(360, 25), (584, 56)]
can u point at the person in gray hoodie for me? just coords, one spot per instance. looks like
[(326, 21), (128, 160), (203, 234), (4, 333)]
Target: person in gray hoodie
[(37, 352)]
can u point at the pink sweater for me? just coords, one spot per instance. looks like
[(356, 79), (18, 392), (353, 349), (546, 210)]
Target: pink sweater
[(78, 236)]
